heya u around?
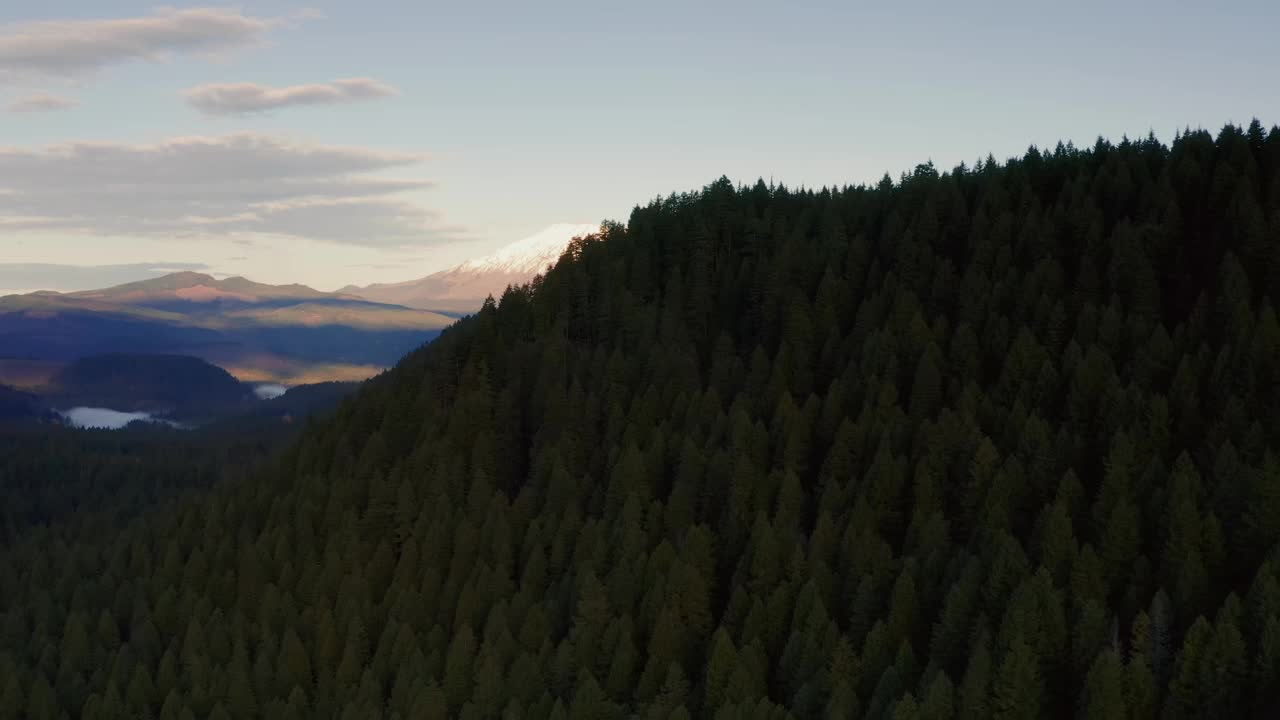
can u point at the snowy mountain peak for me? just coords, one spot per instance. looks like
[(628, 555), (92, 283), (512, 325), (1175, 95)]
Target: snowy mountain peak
[(529, 256), (462, 288)]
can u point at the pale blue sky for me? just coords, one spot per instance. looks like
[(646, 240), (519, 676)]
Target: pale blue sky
[(521, 115)]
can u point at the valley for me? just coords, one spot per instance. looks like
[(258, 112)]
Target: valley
[(112, 391)]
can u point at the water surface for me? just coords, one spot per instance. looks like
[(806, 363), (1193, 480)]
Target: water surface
[(106, 418)]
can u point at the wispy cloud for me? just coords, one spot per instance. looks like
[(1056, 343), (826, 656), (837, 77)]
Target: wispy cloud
[(68, 48), (40, 102), (247, 98), (232, 186)]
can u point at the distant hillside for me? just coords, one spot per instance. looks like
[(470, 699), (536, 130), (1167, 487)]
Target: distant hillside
[(354, 313), (293, 407), (288, 333), (304, 400), (16, 404), (464, 287), (58, 327), (172, 385)]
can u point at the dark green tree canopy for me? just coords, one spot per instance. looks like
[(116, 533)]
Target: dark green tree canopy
[(999, 441)]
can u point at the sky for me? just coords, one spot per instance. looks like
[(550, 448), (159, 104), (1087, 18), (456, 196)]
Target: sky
[(335, 143)]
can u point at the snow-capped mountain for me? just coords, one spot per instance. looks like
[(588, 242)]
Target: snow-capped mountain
[(464, 287), (531, 255)]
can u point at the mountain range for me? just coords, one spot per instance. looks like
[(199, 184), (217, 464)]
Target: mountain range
[(182, 289), (289, 334), (260, 333)]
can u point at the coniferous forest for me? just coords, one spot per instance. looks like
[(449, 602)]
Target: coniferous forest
[(998, 442)]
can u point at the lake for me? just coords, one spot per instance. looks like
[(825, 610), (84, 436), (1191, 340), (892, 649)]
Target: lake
[(106, 418)]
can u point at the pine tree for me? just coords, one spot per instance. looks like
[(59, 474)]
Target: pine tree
[(720, 664), (939, 699), (590, 702), (1104, 689), (975, 688), (1017, 690), (458, 676)]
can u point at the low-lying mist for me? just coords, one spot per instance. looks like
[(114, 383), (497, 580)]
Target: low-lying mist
[(269, 391)]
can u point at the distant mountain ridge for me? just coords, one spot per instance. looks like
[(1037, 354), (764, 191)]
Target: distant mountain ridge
[(192, 287), (464, 287), (289, 333)]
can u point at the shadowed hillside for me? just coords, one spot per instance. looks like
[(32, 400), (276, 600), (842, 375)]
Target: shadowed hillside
[(18, 405), (171, 385), (998, 442)]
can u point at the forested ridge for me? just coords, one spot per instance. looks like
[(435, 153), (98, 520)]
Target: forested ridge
[(173, 385), (995, 442)]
